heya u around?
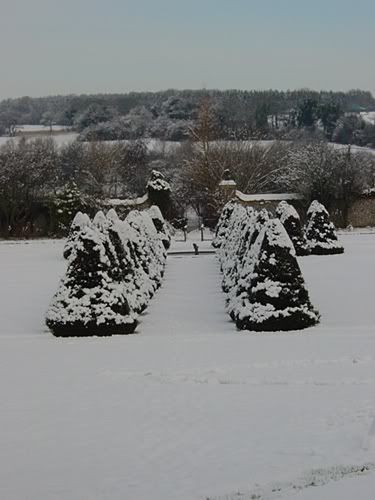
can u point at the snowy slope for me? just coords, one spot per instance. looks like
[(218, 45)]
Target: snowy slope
[(189, 408)]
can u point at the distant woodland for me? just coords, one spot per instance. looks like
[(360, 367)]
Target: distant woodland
[(170, 115)]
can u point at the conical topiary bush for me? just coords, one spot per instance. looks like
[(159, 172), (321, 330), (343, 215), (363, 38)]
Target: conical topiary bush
[(79, 222), (160, 225), (272, 295), (89, 301), (290, 219), (135, 281), (222, 226), (244, 255), (320, 232), (229, 246), (152, 251)]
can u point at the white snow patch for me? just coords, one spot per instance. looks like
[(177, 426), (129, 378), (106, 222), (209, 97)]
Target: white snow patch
[(187, 409)]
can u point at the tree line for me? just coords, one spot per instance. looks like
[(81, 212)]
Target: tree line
[(169, 114), (43, 186)]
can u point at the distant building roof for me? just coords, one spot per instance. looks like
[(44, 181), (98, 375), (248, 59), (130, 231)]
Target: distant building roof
[(268, 196)]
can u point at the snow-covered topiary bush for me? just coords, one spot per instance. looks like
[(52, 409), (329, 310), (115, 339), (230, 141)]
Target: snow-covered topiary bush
[(290, 219), (227, 252), (152, 253), (160, 225), (79, 222), (159, 192), (320, 232), (222, 226), (272, 295), (89, 300), (138, 287), (245, 255), (114, 268), (242, 221)]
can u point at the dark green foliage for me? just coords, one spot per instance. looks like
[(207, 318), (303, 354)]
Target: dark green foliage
[(291, 221), (320, 231), (160, 226), (329, 113), (222, 225), (159, 192), (261, 115), (307, 113), (274, 296), (79, 222), (67, 203), (89, 300)]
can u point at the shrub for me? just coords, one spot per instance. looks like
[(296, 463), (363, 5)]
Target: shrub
[(136, 282), (222, 226), (291, 221), (160, 225), (79, 222), (89, 301), (320, 231), (272, 294)]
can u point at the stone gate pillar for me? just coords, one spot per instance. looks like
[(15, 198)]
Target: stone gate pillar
[(227, 189)]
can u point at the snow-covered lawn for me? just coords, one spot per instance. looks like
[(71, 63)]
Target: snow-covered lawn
[(189, 408), (61, 139)]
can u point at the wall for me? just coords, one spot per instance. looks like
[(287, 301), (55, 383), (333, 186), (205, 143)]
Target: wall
[(362, 212)]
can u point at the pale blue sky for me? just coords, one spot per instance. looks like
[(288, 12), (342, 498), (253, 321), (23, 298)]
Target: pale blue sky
[(84, 46)]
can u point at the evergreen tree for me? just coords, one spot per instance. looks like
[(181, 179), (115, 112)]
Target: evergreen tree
[(133, 279), (307, 113), (89, 301), (244, 256), (67, 203), (227, 250), (159, 192), (151, 250), (79, 222), (320, 231), (222, 226), (160, 225), (261, 116), (273, 296), (329, 113), (290, 219)]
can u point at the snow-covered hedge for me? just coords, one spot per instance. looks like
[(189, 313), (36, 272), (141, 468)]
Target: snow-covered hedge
[(261, 276), (290, 219), (160, 225), (114, 268), (320, 232)]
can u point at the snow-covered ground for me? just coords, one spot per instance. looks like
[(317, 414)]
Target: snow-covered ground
[(62, 138), (189, 408), (30, 129)]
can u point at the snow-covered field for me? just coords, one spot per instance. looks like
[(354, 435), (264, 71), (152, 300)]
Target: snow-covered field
[(61, 139), (189, 408), (156, 145), (30, 129)]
